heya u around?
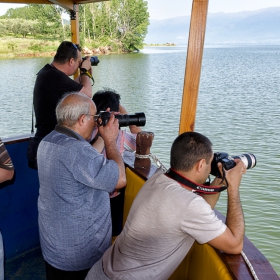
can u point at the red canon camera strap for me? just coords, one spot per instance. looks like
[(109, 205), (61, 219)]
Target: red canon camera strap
[(199, 189)]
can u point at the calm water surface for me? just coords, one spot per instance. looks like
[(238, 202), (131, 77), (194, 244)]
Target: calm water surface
[(238, 109)]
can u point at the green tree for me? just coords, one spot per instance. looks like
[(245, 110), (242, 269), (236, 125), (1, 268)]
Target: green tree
[(133, 21), (15, 27), (50, 17), (15, 13), (26, 26), (18, 27), (3, 27), (118, 22)]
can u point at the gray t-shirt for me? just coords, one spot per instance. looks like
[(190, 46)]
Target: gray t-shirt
[(163, 223), (74, 207)]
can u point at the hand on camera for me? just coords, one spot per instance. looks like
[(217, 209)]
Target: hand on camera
[(86, 64), (234, 175), (114, 113), (110, 131), (217, 182)]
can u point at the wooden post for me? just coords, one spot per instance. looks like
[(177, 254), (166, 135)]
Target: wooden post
[(75, 38), (144, 141), (74, 15), (193, 65)]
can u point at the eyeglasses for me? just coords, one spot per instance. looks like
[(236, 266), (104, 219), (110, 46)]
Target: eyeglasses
[(95, 117), (75, 46)]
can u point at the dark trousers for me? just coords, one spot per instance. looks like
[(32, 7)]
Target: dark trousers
[(53, 273), (116, 204)]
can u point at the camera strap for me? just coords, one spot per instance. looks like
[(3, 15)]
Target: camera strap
[(198, 189), (84, 71)]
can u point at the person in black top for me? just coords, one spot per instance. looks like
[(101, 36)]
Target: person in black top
[(51, 84)]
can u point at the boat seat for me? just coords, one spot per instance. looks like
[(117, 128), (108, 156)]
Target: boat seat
[(202, 262), (133, 185)]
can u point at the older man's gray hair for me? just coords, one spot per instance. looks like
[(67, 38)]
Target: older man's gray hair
[(69, 111)]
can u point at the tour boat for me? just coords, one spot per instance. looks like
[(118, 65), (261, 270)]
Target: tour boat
[(18, 197)]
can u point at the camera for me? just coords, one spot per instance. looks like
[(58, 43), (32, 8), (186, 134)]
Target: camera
[(227, 161), (138, 119), (93, 60)]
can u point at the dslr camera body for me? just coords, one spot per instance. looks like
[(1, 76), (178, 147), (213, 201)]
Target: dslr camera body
[(138, 119), (228, 162), (93, 60)]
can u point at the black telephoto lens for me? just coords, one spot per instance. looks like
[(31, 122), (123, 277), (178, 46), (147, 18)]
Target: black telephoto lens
[(138, 119)]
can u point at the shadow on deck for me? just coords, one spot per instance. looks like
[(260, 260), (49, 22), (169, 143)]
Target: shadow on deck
[(29, 266)]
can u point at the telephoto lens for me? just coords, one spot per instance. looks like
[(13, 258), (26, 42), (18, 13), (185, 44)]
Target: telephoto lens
[(228, 162), (249, 160), (138, 119)]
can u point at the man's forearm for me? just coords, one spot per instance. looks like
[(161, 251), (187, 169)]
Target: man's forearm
[(6, 175), (235, 217), (213, 198), (86, 82), (113, 153), (134, 129)]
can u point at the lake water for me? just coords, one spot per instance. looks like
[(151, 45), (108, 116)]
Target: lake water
[(238, 109)]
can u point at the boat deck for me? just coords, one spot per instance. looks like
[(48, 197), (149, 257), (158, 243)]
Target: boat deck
[(29, 266)]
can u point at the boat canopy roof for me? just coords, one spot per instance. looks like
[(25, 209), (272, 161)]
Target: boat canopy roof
[(67, 4)]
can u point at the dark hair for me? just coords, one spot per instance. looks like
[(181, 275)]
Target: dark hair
[(188, 148), (65, 51), (106, 98)]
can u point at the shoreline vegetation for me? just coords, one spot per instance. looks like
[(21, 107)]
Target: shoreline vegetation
[(11, 47), (104, 27)]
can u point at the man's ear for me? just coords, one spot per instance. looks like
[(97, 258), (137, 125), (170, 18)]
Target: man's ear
[(81, 120), (71, 61), (200, 164)]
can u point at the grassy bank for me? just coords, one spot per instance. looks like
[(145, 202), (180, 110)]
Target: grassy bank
[(28, 47), (14, 47)]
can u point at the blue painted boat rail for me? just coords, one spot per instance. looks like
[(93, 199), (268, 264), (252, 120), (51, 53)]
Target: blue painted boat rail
[(18, 200)]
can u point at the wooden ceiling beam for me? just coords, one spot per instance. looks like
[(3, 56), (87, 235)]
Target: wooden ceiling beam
[(67, 4), (26, 2)]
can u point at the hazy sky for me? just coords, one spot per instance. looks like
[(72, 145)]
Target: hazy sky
[(160, 9)]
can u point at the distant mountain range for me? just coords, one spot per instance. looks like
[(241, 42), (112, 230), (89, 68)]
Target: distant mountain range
[(255, 27)]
